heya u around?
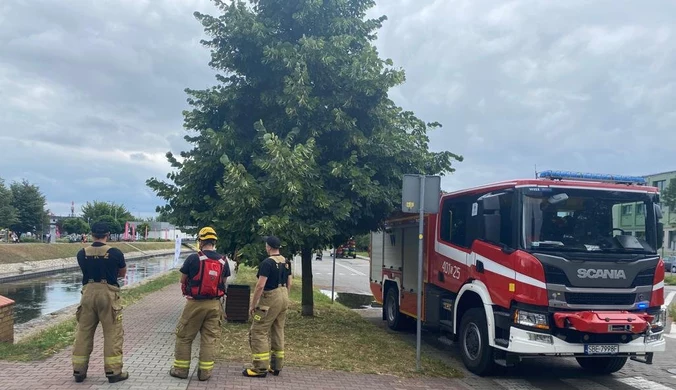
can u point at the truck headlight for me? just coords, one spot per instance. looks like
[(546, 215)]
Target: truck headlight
[(527, 318), (660, 319)]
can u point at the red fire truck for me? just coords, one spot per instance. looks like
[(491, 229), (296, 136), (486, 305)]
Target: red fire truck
[(562, 265)]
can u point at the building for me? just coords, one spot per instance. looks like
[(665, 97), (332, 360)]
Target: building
[(631, 217), (157, 231), (661, 181)]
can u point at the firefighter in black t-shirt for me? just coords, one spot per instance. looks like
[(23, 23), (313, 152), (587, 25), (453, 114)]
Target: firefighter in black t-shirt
[(268, 309), (203, 277), (101, 265)]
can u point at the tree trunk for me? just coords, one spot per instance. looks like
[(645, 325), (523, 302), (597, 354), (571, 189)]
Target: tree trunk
[(307, 298)]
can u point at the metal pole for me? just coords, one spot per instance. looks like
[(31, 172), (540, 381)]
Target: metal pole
[(420, 269), (333, 275)]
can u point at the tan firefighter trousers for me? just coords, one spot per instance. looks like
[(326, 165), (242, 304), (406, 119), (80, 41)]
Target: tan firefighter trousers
[(100, 302), (203, 316), (266, 336)]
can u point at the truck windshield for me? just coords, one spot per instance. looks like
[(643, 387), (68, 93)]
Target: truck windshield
[(566, 219)]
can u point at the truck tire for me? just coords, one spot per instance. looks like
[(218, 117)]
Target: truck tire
[(602, 365), (476, 354), (395, 320)]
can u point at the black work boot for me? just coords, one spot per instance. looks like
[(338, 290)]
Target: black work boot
[(180, 373), (254, 374), (79, 376), (118, 378), (203, 375)]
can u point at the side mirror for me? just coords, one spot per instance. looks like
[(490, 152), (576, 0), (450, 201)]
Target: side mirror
[(660, 235), (490, 205), (658, 211)]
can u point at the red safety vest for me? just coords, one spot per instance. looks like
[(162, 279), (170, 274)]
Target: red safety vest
[(208, 282)]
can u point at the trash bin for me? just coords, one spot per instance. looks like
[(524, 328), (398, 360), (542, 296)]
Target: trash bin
[(237, 302)]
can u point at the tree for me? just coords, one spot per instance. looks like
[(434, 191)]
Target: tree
[(75, 225), (113, 224), (8, 213), (142, 228), (93, 212), (299, 139), (30, 207), (669, 195)]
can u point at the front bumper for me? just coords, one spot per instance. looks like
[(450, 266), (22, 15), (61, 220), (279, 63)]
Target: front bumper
[(523, 342)]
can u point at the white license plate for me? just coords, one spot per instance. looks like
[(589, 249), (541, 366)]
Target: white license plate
[(601, 349)]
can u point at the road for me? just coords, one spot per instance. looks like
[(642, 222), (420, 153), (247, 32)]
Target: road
[(352, 276)]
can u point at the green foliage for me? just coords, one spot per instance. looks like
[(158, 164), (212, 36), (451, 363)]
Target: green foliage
[(30, 207), (141, 229), (115, 214), (8, 214), (75, 225), (114, 224), (299, 139), (362, 242), (669, 195)]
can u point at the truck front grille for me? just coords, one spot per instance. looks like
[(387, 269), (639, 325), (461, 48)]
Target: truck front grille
[(600, 299)]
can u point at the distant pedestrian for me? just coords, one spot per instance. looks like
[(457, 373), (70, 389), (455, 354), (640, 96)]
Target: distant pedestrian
[(268, 309), (101, 266), (203, 278)]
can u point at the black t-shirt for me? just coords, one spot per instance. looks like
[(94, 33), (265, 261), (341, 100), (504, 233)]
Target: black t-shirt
[(268, 268), (101, 268), (191, 265)]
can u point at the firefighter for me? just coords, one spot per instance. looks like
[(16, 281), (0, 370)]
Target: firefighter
[(203, 277), (101, 267), (268, 310)]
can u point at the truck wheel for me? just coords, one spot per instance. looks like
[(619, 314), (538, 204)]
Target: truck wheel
[(394, 317), (601, 365), (476, 354)]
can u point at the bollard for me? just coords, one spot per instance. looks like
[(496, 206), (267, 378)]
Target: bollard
[(6, 320)]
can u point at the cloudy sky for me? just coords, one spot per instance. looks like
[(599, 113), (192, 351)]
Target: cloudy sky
[(92, 91)]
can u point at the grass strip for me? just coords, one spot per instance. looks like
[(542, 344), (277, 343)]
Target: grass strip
[(61, 335), (18, 253), (336, 338)]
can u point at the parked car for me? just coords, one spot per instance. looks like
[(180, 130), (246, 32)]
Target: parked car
[(670, 264)]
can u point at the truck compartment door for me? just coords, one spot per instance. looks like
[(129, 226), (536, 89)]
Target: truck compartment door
[(377, 256)]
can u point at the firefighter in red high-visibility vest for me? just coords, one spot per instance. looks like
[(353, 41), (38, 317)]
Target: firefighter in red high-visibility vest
[(203, 283)]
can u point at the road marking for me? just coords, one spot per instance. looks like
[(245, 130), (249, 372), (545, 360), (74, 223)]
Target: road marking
[(670, 297), (341, 274), (516, 384), (351, 269), (642, 384), (584, 384)]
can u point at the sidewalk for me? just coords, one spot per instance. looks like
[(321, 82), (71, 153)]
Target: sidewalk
[(148, 355)]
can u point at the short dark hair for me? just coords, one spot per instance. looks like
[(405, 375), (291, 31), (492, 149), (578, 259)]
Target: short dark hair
[(208, 242), (100, 230)]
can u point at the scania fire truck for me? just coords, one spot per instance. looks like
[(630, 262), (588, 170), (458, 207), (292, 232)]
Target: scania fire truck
[(565, 264)]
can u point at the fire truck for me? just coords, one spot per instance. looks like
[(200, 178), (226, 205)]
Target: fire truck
[(565, 264)]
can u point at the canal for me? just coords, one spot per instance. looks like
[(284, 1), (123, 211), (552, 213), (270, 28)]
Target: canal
[(47, 294)]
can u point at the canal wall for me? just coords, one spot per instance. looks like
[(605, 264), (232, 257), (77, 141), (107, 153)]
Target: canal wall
[(33, 269)]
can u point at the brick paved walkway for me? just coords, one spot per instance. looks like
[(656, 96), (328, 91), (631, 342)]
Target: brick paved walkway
[(148, 355)]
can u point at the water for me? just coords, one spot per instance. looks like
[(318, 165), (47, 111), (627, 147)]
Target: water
[(352, 301), (47, 294)]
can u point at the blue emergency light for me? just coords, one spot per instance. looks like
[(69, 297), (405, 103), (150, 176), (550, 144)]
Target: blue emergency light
[(601, 177)]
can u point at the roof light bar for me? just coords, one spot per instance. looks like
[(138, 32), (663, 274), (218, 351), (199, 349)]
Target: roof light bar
[(599, 177)]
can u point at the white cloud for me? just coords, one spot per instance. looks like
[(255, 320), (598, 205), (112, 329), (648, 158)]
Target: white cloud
[(92, 94)]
